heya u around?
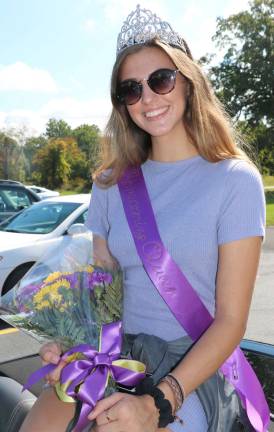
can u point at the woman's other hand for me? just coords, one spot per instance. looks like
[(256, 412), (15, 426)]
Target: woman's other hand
[(121, 412), (51, 353), (101, 254)]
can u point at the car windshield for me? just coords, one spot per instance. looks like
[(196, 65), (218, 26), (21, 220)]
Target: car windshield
[(39, 218)]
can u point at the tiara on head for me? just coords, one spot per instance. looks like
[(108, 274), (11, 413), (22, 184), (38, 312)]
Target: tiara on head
[(141, 26)]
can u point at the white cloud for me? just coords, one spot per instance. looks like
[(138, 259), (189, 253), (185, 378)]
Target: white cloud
[(196, 22), (197, 28), (74, 112), (89, 25), (235, 6), (20, 76)]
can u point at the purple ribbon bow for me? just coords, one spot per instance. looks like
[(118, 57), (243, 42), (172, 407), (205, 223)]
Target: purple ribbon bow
[(91, 373)]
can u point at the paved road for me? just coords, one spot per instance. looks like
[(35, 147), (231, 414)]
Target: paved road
[(261, 319)]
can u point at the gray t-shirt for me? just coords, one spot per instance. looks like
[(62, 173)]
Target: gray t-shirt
[(198, 206)]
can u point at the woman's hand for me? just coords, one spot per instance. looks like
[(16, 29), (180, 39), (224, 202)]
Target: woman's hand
[(122, 412), (51, 353), (101, 254)]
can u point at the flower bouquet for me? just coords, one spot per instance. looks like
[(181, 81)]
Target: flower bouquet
[(69, 298)]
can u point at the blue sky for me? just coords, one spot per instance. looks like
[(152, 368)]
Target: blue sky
[(56, 55)]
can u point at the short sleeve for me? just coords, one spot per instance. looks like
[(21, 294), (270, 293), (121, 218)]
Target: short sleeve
[(97, 220), (242, 210)]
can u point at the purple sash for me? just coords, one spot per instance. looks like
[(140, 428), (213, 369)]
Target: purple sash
[(180, 296)]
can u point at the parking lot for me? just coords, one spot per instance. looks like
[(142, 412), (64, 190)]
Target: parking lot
[(261, 319)]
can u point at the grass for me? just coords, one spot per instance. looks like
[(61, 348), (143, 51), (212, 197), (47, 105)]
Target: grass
[(67, 192), (268, 180), (269, 208)]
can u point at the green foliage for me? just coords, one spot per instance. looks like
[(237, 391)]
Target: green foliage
[(31, 147), (69, 156), (9, 155), (260, 139), (53, 165), (108, 302), (57, 129), (87, 137), (244, 79), (269, 195), (268, 180)]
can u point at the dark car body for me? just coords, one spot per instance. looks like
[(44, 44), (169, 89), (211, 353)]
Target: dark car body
[(14, 197)]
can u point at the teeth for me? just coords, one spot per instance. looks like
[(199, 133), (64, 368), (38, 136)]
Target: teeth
[(155, 113)]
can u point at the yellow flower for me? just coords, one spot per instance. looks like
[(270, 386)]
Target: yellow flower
[(44, 292), (61, 283), (52, 276), (43, 305), (88, 268), (49, 294), (55, 275)]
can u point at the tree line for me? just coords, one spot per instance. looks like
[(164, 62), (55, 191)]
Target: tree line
[(243, 80), (61, 157)]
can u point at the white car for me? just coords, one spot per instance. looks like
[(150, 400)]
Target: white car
[(26, 236), (43, 192)]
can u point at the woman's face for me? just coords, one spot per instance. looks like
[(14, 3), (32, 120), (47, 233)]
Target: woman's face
[(158, 115)]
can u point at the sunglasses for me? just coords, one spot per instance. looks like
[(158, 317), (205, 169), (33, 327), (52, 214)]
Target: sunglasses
[(161, 81)]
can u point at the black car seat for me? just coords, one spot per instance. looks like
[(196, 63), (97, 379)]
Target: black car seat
[(14, 404)]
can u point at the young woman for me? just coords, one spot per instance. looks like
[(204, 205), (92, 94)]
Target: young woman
[(208, 202)]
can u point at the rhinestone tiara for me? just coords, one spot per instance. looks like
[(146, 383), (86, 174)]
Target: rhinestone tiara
[(141, 26)]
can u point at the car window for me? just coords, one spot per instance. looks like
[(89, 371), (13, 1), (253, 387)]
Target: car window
[(19, 198), (82, 217), (40, 218), (2, 204), (8, 202), (14, 199)]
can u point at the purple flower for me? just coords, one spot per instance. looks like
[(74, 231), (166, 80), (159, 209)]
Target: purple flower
[(98, 278), (73, 279), (29, 290), (25, 294)]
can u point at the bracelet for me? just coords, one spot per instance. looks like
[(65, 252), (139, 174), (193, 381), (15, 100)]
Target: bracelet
[(176, 389), (164, 406)]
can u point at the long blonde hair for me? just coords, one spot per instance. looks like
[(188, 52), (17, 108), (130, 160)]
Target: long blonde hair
[(207, 124)]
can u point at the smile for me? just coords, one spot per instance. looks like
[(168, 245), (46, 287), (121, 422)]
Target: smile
[(156, 113)]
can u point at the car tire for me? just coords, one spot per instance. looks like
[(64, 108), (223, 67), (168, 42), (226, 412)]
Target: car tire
[(15, 276)]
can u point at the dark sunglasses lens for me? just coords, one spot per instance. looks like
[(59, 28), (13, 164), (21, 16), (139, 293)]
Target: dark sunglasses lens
[(129, 92), (162, 81)]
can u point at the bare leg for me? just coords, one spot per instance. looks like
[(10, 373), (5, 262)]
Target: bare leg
[(48, 414)]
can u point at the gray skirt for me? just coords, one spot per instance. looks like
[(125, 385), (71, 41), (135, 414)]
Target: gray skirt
[(221, 404)]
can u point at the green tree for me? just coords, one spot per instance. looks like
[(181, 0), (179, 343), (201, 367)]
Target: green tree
[(244, 79), (75, 157), (31, 147), (52, 164), (88, 138), (9, 150), (57, 129)]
